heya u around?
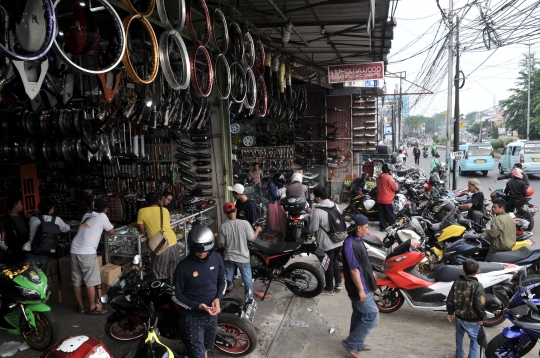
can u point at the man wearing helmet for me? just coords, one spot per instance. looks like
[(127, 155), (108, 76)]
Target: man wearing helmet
[(515, 189), (296, 188), (199, 286), (386, 190), (476, 205), (509, 175)]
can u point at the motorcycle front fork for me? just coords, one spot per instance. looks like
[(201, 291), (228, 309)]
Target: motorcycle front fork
[(27, 327)]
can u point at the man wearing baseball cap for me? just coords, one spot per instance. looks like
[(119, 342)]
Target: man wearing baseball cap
[(476, 204), (234, 236), (360, 284), (245, 208)]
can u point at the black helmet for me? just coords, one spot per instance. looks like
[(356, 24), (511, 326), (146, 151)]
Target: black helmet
[(200, 239), (386, 168), (434, 178), (443, 205)]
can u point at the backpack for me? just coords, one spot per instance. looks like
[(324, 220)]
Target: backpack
[(46, 238), (338, 228)]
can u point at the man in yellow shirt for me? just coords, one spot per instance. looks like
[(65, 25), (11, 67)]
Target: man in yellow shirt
[(149, 222)]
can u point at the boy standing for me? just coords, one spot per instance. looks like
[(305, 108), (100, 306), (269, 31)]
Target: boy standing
[(466, 301)]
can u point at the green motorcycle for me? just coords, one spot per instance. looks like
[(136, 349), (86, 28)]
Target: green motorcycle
[(23, 291)]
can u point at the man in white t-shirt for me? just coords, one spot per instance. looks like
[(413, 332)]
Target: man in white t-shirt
[(46, 210), (84, 265), (234, 235)]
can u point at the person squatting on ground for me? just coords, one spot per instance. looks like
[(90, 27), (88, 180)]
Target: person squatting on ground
[(360, 283), (234, 236), (386, 190), (466, 302), (320, 225), (199, 287)]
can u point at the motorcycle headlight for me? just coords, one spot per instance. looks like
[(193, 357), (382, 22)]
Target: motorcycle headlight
[(28, 293), (46, 290), (104, 299)]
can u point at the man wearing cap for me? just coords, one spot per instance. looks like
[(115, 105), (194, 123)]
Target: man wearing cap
[(234, 236), (360, 284), (476, 205), (245, 208), (84, 265)]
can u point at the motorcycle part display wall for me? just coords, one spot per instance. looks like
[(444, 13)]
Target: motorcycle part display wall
[(310, 132), (364, 119)]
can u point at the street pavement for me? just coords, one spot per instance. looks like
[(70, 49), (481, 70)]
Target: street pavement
[(324, 319)]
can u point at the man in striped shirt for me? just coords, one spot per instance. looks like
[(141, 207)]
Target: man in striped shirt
[(360, 284)]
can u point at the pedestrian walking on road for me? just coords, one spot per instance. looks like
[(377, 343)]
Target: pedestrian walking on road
[(416, 153), (360, 283), (466, 302)]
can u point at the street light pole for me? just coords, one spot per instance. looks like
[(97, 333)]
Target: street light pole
[(450, 86), (529, 92)]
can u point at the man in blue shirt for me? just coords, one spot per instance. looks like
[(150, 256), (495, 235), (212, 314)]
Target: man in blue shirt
[(360, 284), (399, 159), (199, 287)]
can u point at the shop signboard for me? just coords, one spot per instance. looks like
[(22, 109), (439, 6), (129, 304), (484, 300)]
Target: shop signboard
[(356, 72), (388, 130)]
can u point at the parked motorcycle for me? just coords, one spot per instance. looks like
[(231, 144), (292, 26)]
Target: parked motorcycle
[(129, 296), (303, 279), (402, 282), (295, 207), (522, 209), (23, 292), (520, 338)]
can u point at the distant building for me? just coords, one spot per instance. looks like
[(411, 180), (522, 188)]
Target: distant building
[(406, 104)]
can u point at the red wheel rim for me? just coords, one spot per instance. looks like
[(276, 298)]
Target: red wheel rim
[(207, 22), (241, 338), (381, 293), (194, 81), (124, 333)]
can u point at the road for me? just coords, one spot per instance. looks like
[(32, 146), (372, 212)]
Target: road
[(486, 182)]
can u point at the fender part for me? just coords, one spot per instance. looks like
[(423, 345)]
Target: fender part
[(386, 282), (31, 88), (513, 332)]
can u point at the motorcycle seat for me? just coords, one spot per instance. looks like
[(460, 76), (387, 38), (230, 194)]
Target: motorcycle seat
[(451, 273), (401, 173), (276, 249), (513, 256), (372, 240)]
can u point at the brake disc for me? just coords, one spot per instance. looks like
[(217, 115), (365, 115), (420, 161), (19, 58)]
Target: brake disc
[(249, 141), (273, 140), (273, 127), (236, 128), (248, 128), (236, 141)]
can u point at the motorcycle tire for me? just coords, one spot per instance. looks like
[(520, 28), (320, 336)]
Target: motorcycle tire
[(302, 266), (499, 318), (392, 298), (114, 330), (241, 333), (501, 344), (527, 215), (48, 326)]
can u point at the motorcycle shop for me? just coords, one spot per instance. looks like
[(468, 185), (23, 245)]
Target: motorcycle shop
[(116, 99)]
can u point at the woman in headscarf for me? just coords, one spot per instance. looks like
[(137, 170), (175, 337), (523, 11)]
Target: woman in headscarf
[(277, 219)]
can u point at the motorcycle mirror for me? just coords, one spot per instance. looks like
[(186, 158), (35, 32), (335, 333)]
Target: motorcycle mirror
[(532, 306)]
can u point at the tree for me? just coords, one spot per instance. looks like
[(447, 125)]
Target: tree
[(515, 106), (494, 131), (414, 123), (474, 129)]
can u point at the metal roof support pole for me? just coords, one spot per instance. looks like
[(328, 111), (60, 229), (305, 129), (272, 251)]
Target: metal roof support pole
[(285, 18), (450, 87)]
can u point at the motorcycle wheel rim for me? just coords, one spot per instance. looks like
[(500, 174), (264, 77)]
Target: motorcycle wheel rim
[(231, 332), (387, 298), (116, 330), (42, 334)]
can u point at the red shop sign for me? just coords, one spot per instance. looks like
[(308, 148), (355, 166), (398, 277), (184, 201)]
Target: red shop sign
[(356, 72)]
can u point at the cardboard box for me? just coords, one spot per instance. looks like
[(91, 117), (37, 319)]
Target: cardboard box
[(68, 296), (109, 274), (104, 288), (56, 295), (64, 265), (54, 278), (100, 260), (52, 267), (66, 280)]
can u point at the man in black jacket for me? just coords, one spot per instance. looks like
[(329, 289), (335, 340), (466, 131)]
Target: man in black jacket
[(509, 175), (416, 153), (199, 287), (515, 189)]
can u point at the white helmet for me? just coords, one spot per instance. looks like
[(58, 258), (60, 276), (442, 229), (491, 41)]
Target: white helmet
[(296, 177), (369, 203), (399, 203), (32, 29)]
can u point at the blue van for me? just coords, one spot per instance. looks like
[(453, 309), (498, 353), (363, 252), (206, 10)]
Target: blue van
[(478, 157), (529, 156)]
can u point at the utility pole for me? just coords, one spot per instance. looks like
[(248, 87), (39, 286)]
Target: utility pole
[(400, 106), (456, 109), (450, 85), (529, 92)]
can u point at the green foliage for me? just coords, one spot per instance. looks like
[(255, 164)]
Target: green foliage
[(473, 116), (494, 131), (502, 141), (414, 123), (474, 129), (434, 137)]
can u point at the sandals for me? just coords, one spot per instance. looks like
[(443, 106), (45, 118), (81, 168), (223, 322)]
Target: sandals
[(97, 312), (80, 310)]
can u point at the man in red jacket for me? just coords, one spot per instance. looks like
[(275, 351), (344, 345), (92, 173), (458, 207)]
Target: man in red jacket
[(386, 190)]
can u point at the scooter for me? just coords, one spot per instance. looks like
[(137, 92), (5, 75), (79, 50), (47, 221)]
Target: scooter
[(425, 153), (295, 209), (403, 283)]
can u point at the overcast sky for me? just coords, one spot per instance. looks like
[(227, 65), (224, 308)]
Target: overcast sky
[(487, 84)]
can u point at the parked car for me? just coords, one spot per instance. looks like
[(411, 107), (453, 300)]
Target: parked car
[(529, 156), (477, 157), (510, 156)]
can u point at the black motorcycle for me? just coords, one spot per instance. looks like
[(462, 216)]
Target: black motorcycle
[(268, 264), (129, 296), (425, 153), (295, 207)]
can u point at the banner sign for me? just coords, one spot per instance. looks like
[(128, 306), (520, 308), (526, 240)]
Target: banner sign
[(356, 72)]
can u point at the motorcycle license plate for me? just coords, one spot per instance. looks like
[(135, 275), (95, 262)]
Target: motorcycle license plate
[(533, 209), (250, 311), (325, 262)]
